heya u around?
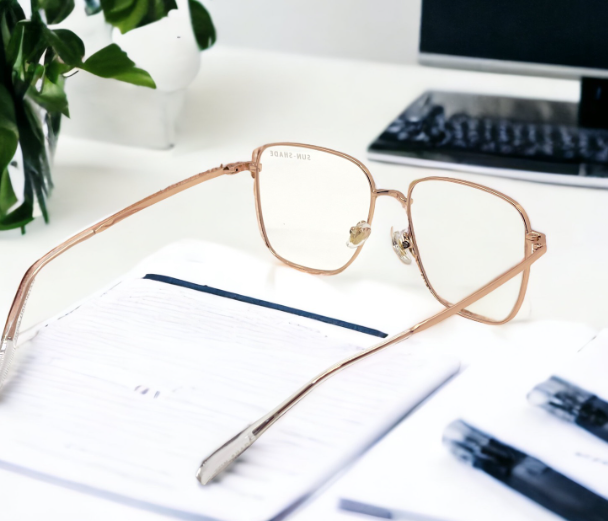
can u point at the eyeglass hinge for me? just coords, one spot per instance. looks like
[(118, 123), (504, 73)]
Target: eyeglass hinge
[(537, 239), (235, 168)]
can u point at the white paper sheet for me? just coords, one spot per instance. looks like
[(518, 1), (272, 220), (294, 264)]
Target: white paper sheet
[(124, 396), (416, 476)]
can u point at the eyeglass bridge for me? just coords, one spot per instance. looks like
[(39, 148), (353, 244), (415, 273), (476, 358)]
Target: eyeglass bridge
[(393, 193)]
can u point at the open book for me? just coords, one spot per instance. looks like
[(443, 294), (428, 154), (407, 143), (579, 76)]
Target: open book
[(124, 395)]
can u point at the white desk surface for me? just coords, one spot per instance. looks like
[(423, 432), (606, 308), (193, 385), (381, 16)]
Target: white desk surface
[(243, 99)]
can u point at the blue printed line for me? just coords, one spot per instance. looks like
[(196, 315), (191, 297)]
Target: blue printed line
[(265, 304)]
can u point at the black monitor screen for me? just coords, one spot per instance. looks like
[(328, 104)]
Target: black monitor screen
[(557, 32)]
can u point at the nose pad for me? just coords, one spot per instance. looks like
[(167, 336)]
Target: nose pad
[(401, 244), (359, 234)]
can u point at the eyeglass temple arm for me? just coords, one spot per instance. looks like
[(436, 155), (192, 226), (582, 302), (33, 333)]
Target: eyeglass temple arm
[(11, 327), (219, 460)]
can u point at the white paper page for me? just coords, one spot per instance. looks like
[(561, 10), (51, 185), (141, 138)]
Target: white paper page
[(589, 368), (414, 474), (506, 414), (125, 395)]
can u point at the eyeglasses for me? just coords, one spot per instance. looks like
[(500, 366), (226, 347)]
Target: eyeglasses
[(315, 207)]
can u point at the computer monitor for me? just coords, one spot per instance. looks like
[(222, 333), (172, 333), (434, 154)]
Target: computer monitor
[(535, 139), (562, 38)]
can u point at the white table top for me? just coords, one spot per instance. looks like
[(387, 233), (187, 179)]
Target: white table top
[(243, 99)]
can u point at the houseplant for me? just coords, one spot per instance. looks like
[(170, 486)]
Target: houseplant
[(35, 59)]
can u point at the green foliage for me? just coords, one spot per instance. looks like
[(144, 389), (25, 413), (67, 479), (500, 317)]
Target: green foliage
[(9, 140), (130, 14), (9, 135), (202, 25), (66, 44), (125, 14), (113, 62), (56, 10), (34, 60), (51, 97)]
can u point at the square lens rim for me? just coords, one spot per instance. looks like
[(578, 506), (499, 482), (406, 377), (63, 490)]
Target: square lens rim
[(257, 168), (528, 247)]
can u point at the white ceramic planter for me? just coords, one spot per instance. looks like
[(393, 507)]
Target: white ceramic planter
[(110, 110)]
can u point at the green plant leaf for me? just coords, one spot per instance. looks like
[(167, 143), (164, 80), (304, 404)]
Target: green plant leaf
[(115, 7), (157, 9), (160, 8), (9, 139), (202, 25), (51, 97), (7, 195), (129, 14), (56, 10), (31, 125), (53, 122), (35, 159), (113, 62), (14, 49), (34, 43), (55, 70), (125, 14), (8, 121), (66, 44), (133, 18), (9, 133), (108, 62), (18, 218), (136, 77), (5, 31), (12, 11)]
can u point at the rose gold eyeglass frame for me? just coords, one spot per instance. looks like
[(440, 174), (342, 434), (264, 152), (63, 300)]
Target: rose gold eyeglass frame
[(534, 248)]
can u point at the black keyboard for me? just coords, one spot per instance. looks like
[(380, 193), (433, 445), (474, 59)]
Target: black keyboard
[(424, 131)]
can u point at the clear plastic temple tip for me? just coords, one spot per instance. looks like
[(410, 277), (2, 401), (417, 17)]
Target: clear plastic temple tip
[(7, 352), (221, 459)]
